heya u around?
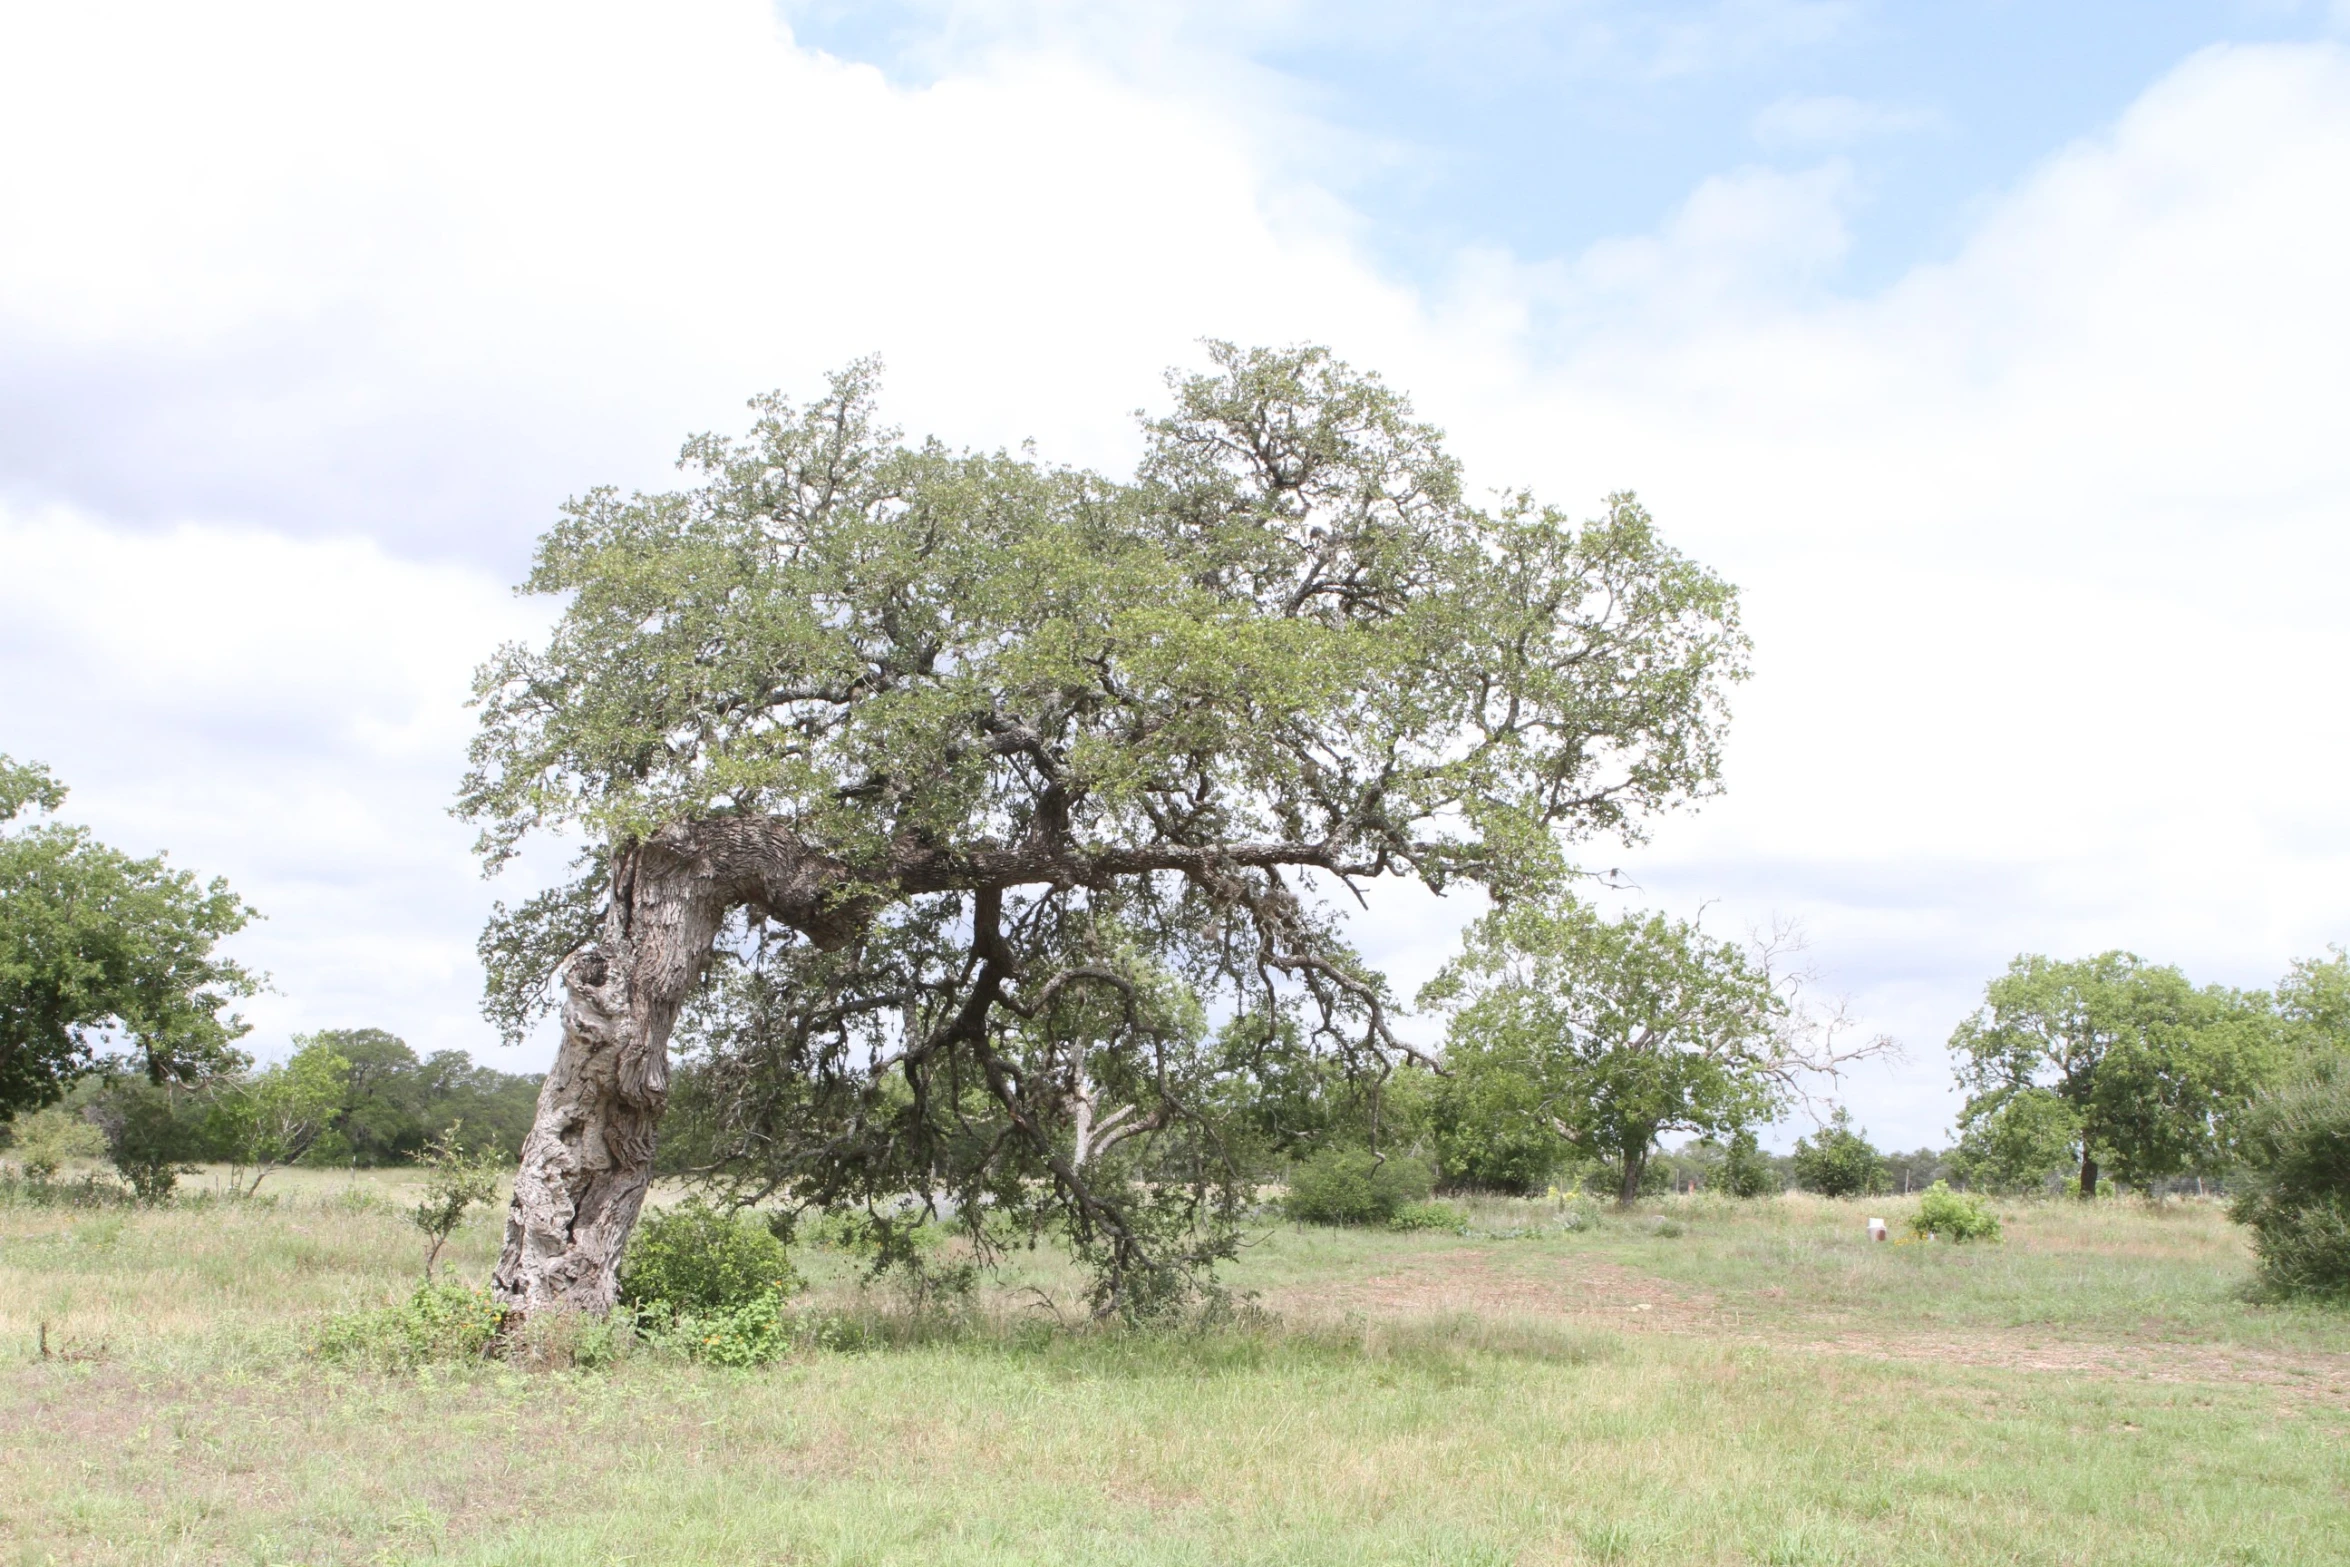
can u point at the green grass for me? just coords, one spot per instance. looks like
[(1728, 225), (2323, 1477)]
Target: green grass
[(1792, 1394)]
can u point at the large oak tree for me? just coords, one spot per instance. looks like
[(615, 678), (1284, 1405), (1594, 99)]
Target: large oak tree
[(986, 819)]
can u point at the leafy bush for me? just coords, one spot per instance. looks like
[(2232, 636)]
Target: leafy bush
[(152, 1135), (1489, 1132), (2016, 1140), (751, 1334), (1430, 1216), (1354, 1186), (39, 1144), (1953, 1216), (89, 1190), (698, 1259), (1746, 1169), (1839, 1162), (438, 1322), (2296, 1141)]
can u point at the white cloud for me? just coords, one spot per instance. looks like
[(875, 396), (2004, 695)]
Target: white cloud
[(1835, 121), (2042, 545), (286, 713)]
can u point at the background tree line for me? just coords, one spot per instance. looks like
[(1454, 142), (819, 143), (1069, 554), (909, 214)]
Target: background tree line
[(345, 1098)]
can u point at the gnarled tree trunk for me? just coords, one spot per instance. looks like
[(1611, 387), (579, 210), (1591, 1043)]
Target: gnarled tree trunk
[(589, 1157)]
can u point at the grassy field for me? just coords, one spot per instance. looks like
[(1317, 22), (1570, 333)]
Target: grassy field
[(1698, 1382)]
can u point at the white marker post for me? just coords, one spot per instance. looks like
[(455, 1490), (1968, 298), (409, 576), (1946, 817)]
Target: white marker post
[(1876, 1229)]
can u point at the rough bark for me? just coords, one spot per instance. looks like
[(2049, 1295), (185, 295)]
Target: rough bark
[(1635, 1166), (2088, 1176), (589, 1156)]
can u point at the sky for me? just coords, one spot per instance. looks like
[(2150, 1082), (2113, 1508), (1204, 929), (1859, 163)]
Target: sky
[(1999, 352)]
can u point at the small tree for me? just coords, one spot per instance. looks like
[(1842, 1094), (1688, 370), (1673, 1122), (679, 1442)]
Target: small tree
[(456, 1179), (1837, 1161), (1489, 1130), (2151, 1067), (1746, 1170), (275, 1118), (1616, 1031), (2297, 1193), (152, 1135)]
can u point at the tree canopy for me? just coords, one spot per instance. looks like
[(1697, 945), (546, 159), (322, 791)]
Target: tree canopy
[(1013, 795), (106, 962), (1609, 1032), (2147, 1066)]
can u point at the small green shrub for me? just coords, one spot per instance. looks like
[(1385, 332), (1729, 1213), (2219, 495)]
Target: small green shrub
[(699, 1259), (750, 1334), (438, 1322), (2297, 1198), (1354, 1186), (152, 1136), (456, 1180), (1746, 1169), (1840, 1162), (1955, 1216), (1431, 1215), (40, 1144)]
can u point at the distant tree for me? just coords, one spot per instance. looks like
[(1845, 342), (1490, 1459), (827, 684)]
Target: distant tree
[(1837, 1161), (903, 772), (382, 1117), (1746, 1170), (1613, 1032), (495, 1106), (39, 1144), (394, 1104), (2014, 1140), (2314, 1002), (274, 1118), (1489, 1128), (1918, 1169), (106, 962), (2150, 1065)]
